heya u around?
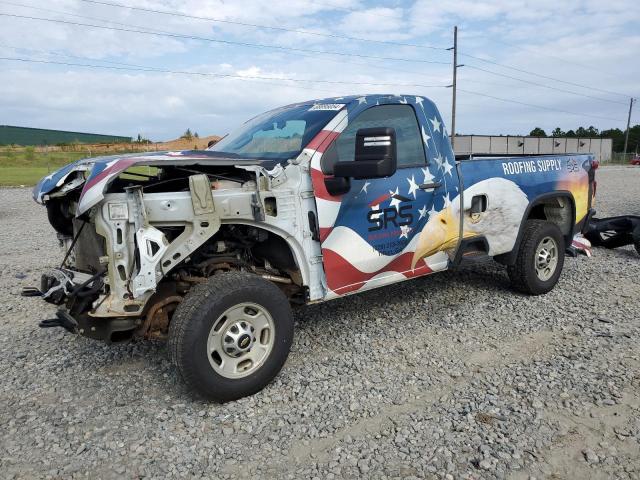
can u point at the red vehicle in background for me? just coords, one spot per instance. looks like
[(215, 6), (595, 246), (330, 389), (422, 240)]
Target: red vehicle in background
[(636, 159)]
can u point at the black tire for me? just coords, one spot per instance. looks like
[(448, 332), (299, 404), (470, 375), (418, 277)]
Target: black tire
[(194, 319), (522, 273)]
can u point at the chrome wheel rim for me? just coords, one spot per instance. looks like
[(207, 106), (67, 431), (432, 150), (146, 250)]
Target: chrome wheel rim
[(240, 340), (546, 259)]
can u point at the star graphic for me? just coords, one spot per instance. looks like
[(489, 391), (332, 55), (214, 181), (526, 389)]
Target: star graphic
[(413, 186), (439, 161), (425, 137), (404, 231), (436, 123), (394, 201), (432, 212), (364, 187), (447, 201), (403, 101), (428, 178), (423, 212), (447, 167), (419, 101), (362, 100)]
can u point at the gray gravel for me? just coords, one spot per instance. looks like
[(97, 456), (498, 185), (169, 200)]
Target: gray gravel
[(451, 376)]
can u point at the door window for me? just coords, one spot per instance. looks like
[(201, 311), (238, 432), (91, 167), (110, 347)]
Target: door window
[(402, 118)]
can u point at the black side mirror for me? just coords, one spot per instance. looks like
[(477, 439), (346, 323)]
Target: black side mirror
[(375, 156)]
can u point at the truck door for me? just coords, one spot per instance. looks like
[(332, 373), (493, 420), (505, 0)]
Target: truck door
[(372, 231)]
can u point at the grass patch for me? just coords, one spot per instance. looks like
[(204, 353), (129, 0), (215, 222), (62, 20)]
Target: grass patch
[(28, 158), (26, 166), (17, 176)]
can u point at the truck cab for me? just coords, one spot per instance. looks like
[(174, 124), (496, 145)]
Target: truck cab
[(303, 204)]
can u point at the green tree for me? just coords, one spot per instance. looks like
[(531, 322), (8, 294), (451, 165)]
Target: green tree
[(570, 134), (537, 132), (187, 135), (557, 132), (592, 131), (617, 137)]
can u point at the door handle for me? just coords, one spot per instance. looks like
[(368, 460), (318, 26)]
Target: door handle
[(429, 186)]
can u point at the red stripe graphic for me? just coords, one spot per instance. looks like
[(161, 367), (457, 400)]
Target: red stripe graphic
[(343, 277), (380, 199), (119, 166), (322, 140), (324, 233)]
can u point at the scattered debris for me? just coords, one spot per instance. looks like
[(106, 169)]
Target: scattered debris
[(614, 232)]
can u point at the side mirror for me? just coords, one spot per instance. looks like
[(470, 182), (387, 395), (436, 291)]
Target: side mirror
[(375, 156)]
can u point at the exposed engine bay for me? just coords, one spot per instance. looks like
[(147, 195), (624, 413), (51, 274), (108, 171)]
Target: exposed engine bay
[(157, 233)]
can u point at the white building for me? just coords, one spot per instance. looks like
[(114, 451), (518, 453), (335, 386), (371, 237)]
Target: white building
[(506, 145)]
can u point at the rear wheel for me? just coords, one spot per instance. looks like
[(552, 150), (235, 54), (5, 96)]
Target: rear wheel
[(540, 258), (231, 336)]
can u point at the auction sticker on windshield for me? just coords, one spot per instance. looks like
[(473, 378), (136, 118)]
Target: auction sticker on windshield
[(326, 106)]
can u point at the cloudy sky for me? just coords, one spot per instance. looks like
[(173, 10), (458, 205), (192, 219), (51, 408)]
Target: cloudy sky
[(395, 46)]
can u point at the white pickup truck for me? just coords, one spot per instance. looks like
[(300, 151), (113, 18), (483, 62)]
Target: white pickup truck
[(302, 204)]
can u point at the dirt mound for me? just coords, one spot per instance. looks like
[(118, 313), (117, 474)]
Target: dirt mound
[(108, 148), (184, 144)]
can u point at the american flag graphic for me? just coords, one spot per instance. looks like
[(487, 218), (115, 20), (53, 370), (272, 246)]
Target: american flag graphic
[(354, 256)]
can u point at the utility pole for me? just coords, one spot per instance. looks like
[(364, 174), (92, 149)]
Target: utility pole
[(626, 136), (453, 85)]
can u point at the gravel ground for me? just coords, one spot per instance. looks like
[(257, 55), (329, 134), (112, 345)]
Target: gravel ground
[(451, 376)]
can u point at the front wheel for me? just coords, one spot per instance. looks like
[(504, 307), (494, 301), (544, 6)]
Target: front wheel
[(540, 258), (231, 336)]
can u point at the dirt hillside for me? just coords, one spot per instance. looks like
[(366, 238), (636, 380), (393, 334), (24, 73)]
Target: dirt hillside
[(106, 148)]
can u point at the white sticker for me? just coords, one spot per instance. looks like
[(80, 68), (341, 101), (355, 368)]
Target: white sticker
[(326, 106)]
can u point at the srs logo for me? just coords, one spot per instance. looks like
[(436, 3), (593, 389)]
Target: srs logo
[(380, 218)]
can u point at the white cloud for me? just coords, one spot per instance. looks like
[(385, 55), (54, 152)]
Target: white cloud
[(581, 41)]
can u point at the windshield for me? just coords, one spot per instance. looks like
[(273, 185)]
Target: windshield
[(280, 134)]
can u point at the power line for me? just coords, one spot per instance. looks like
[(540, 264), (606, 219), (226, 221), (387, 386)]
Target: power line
[(547, 55), (542, 76), (160, 33), (280, 81), (543, 85), (256, 25), (538, 106), (377, 65), (129, 67), (332, 60), (125, 66)]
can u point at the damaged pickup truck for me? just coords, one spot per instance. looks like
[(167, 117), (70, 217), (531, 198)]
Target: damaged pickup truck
[(305, 203)]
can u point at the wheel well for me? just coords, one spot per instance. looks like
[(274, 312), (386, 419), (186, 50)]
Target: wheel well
[(558, 209), (234, 248), (245, 248)]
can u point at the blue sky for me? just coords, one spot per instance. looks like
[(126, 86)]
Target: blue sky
[(582, 42)]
